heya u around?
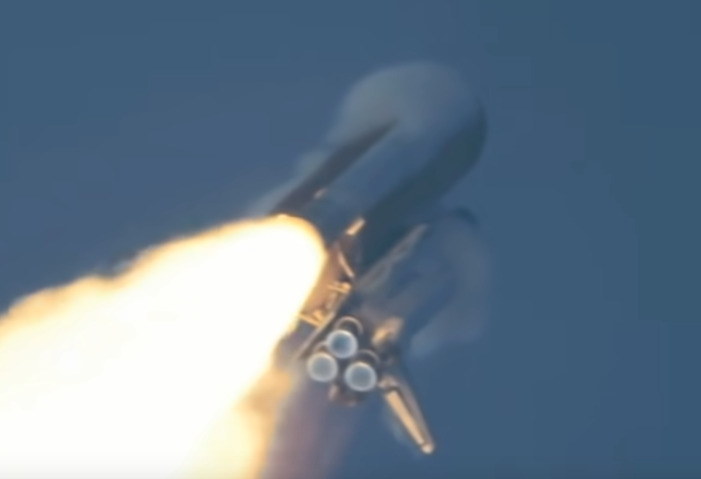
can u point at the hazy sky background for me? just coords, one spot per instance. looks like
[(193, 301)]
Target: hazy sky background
[(126, 123)]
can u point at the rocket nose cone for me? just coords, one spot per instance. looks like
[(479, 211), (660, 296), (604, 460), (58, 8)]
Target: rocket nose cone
[(417, 96)]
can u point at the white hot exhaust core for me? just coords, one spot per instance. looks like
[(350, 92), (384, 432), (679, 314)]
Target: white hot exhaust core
[(147, 374)]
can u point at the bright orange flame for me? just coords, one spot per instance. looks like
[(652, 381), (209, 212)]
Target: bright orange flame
[(136, 376)]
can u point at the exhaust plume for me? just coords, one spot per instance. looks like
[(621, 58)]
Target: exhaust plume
[(164, 371)]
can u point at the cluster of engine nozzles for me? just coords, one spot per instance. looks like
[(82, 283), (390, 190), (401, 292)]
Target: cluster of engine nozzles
[(339, 355)]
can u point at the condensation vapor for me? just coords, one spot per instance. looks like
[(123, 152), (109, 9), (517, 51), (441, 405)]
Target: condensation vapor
[(465, 317), (163, 371)]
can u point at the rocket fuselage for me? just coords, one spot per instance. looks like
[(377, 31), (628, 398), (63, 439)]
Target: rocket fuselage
[(397, 173), (404, 138)]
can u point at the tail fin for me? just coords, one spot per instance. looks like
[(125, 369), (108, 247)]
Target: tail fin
[(404, 406)]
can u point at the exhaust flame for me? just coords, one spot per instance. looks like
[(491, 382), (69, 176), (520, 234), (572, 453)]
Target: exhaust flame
[(150, 374)]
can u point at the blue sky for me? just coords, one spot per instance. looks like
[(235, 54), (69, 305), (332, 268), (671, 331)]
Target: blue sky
[(125, 124)]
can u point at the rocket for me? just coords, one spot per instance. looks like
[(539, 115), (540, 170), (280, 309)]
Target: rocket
[(399, 257)]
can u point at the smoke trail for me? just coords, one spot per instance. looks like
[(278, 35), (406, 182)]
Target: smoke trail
[(150, 373)]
